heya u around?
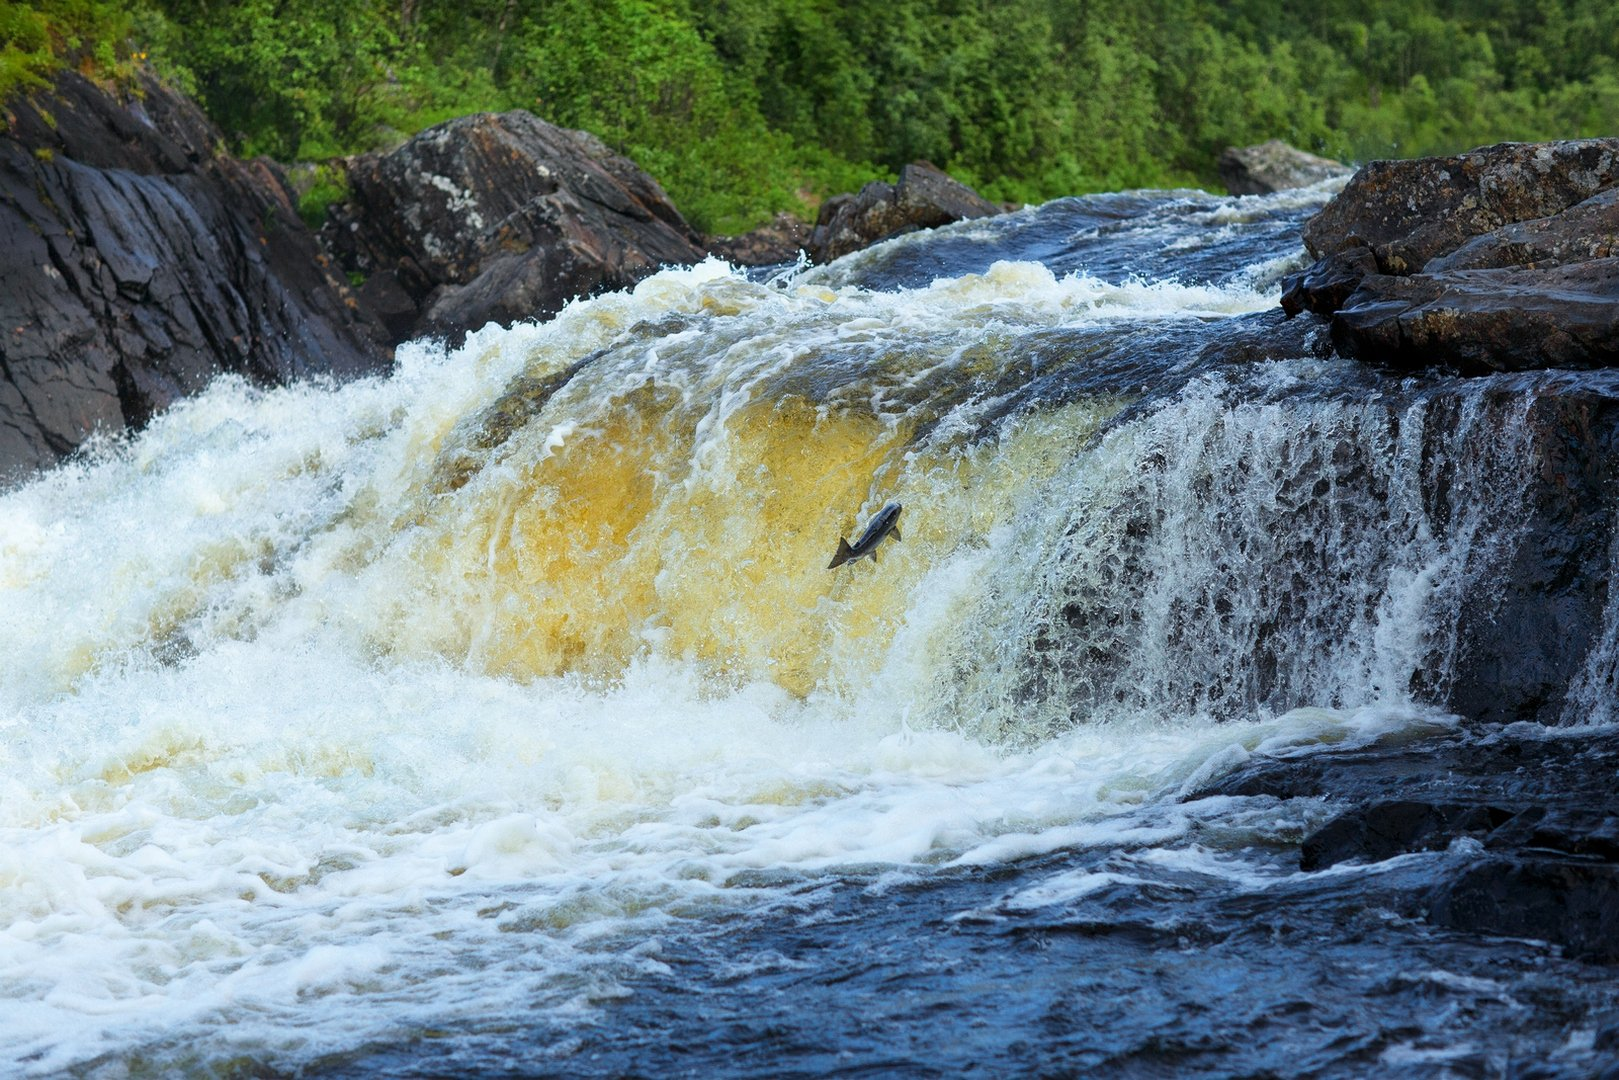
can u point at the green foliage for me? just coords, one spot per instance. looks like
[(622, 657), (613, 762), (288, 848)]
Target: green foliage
[(328, 185), (40, 36), (295, 79), (745, 107)]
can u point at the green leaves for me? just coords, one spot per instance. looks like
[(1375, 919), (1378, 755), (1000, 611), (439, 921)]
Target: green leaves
[(40, 36)]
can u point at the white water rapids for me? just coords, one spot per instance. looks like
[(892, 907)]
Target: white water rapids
[(335, 714)]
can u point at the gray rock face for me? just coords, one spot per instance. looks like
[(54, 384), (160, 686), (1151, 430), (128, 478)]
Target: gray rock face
[(924, 198), (1587, 230), (498, 218), (1409, 212), (137, 263), (1274, 166), (1501, 259)]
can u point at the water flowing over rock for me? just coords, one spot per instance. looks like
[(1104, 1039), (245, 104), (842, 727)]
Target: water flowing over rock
[(924, 198), (502, 217), (138, 262), (526, 660), (1530, 813), (1274, 166)]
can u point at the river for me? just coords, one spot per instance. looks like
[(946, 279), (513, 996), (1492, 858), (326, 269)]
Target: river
[(502, 717)]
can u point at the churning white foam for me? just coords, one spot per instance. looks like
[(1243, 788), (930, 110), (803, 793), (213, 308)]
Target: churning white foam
[(233, 820)]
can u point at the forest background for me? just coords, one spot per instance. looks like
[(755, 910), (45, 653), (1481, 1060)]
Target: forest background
[(742, 108)]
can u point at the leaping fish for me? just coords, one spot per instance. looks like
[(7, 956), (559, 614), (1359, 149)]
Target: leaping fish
[(884, 525)]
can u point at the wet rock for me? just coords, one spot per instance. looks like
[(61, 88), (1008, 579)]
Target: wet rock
[(1409, 212), (780, 241), (1382, 830), (1482, 321), (137, 263), (1265, 335), (1525, 765), (924, 198), (497, 218), (1569, 903), (1541, 804), (1325, 286), (1587, 830), (1527, 640), (1274, 166)]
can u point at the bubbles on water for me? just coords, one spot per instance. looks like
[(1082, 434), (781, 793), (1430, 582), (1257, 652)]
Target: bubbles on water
[(334, 715)]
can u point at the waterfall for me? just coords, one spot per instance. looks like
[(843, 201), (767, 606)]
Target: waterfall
[(321, 704)]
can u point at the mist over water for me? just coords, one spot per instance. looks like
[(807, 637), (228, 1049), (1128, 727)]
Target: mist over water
[(342, 717)]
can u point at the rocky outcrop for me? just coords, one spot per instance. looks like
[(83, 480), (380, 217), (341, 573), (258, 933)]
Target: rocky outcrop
[(138, 262), (1409, 212), (497, 218), (1479, 321), (1383, 829), (1524, 829), (781, 240), (1274, 166), (924, 198), (1500, 259)]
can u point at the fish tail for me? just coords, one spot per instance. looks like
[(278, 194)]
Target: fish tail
[(844, 554)]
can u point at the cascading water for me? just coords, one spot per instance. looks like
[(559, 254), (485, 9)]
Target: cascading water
[(337, 718)]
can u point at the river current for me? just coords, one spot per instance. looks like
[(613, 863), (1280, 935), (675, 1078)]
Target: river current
[(501, 716)]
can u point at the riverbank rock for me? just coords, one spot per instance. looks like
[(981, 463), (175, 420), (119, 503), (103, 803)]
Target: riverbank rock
[(138, 262), (1500, 259), (1479, 321), (498, 218), (1274, 166), (1409, 212), (924, 198), (1522, 827), (782, 240)]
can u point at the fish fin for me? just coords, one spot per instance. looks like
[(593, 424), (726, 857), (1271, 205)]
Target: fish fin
[(842, 555), (872, 555), (894, 532)]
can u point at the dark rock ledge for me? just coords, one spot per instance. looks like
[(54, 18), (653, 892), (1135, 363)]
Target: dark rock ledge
[(1505, 258), (1502, 259), (1529, 817)]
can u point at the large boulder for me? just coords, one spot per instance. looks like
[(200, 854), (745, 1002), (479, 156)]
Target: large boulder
[(1501, 259), (1411, 211), (925, 197), (138, 262), (498, 218), (1274, 166)]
